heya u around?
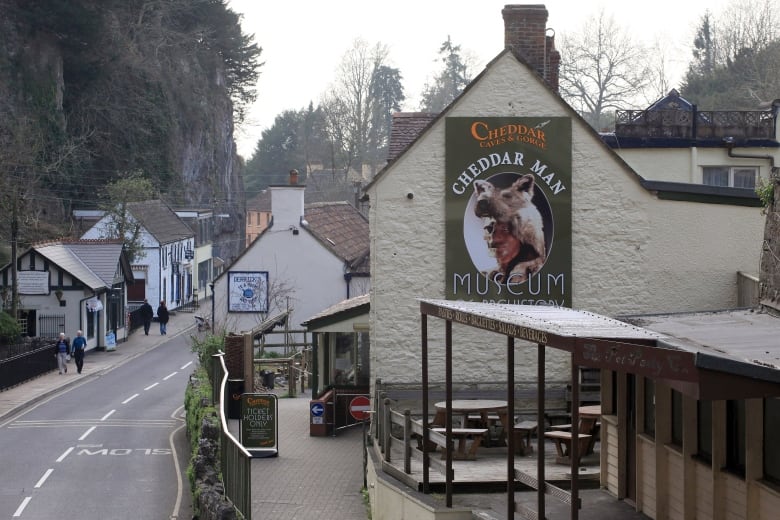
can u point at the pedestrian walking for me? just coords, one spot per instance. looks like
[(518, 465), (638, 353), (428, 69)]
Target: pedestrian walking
[(62, 351), (79, 346), (147, 313), (162, 317)]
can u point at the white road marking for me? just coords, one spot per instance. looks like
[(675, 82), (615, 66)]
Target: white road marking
[(169, 376), (22, 506), (185, 366), (179, 483), (129, 398), (151, 386), (44, 477), (87, 433), (67, 452), (109, 414)]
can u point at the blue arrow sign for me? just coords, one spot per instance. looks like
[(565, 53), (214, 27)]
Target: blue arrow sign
[(317, 409)]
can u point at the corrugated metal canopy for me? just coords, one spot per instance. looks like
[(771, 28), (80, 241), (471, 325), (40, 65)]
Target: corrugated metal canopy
[(553, 326), (707, 355)]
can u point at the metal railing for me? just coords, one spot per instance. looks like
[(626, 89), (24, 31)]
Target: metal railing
[(51, 326), (22, 363), (235, 460), (695, 124)]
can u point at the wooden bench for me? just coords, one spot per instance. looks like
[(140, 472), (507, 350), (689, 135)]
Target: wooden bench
[(563, 442), (461, 434), (523, 432)]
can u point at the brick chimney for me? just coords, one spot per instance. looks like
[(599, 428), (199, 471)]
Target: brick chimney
[(525, 32)]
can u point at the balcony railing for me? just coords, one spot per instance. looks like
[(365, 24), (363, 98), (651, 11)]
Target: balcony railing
[(706, 124)]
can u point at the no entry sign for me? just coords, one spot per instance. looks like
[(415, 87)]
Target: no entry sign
[(359, 407)]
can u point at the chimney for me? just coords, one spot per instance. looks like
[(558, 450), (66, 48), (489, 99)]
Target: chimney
[(525, 33), (287, 201)]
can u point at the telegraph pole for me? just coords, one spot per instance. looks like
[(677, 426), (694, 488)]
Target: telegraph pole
[(14, 280)]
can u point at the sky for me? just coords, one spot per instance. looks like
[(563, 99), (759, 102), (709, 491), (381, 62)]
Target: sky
[(303, 41)]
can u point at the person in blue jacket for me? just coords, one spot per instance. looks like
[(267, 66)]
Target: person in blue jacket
[(79, 346)]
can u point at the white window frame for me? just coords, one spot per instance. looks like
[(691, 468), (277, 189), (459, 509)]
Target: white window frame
[(732, 170)]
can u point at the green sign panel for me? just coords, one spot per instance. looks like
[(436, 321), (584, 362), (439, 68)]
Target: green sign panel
[(508, 198), (259, 424)]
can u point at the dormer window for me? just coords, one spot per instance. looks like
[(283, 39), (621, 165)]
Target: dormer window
[(733, 177)]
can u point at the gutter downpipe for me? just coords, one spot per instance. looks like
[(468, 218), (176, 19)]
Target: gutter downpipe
[(729, 142)]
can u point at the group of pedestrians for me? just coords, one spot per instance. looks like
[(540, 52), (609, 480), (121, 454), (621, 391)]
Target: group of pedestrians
[(63, 349), (162, 316)]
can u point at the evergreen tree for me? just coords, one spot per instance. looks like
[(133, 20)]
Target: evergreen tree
[(449, 82)]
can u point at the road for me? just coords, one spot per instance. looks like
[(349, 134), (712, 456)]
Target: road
[(111, 447)]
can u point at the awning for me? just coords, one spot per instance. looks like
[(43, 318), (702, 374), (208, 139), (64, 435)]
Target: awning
[(270, 323)]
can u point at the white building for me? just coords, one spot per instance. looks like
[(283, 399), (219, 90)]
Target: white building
[(164, 270), (307, 259), (70, 286)]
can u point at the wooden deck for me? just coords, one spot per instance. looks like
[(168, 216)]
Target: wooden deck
[(488, 471)]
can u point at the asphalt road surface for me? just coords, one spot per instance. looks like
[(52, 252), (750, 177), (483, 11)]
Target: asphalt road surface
[(111, 447)]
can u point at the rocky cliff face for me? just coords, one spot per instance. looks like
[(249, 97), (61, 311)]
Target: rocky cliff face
[(90, 90)]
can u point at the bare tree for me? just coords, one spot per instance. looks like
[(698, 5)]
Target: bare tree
[(602, 69), (362, 86), (747, 24)]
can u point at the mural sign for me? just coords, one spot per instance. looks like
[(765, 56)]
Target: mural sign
[(508, 210), (248, 291)]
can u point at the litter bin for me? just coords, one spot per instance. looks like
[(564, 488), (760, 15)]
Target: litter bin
[(268, 379), (235, 388)]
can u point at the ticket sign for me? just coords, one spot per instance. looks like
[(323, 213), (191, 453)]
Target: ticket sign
[(259, 424)]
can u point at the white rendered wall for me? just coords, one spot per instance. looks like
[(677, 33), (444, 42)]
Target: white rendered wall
[(300, 270), (631, 252)]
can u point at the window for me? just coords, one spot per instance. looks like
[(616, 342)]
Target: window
[(735, 436), (771, 446), (677, 418), (350, 359), (704, 430), (735, 177), (650, 407)]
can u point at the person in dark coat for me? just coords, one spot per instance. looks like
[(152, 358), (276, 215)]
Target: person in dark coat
[(162, 317), (147, 313)]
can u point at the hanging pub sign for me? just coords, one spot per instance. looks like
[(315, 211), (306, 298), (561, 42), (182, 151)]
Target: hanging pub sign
[(259, 425), (508, 199)]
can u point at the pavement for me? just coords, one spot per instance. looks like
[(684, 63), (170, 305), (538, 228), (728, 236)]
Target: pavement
[(312, 478)]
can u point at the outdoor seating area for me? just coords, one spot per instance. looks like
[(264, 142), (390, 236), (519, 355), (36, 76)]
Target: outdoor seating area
[(480, 442), (477, 460)]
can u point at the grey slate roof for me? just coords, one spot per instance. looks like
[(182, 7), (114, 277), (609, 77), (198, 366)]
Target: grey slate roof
[(94, 262), (160, 221)]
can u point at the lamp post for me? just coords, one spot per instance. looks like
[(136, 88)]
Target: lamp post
[(211, 286)]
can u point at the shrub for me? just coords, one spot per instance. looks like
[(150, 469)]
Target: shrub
[(766, 193), (207, 347)]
